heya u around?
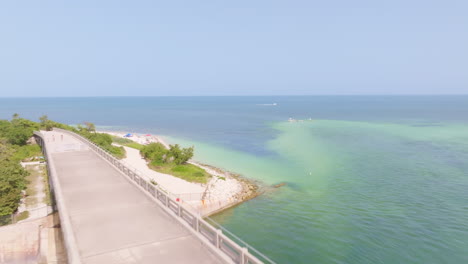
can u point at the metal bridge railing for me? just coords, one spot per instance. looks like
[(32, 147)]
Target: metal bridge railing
[(214, 236)]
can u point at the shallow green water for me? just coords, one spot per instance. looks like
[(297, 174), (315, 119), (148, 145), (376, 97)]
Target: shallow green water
[(356, 192)]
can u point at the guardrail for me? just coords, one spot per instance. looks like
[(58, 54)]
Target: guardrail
[(214, 236)]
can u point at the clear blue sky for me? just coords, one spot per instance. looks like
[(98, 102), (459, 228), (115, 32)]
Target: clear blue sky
[(242, 47)]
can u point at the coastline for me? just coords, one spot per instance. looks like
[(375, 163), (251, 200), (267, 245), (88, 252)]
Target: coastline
[(224, 190), (249, 189)]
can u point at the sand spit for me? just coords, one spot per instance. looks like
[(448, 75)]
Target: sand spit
[(223, 190)]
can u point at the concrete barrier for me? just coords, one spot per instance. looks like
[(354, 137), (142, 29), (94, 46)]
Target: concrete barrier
[(73, 255)]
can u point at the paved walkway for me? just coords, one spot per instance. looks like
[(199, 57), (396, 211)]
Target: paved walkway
[(112, 220)]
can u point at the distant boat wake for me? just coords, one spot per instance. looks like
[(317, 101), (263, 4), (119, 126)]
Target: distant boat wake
[(273, 104)]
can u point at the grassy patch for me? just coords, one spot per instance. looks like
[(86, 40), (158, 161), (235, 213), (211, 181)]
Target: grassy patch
[(32, 179), (120, 140), (30, 202), (187, 171), (45, 177), (126, 142), (118, 152), (104, 141), (134, 145), (22, 216), (27, 152)]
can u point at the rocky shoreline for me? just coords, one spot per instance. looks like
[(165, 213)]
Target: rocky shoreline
[(227, 189), (250, 188)]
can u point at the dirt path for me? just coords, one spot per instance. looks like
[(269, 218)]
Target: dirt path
[(35, 200)]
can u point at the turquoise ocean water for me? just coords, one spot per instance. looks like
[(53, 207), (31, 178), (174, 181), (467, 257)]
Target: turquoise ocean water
[(370, 179)]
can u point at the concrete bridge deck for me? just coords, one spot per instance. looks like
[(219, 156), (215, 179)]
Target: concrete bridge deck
[(113, 221)]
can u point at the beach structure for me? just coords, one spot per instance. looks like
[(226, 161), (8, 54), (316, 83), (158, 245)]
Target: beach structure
[(110, 214)]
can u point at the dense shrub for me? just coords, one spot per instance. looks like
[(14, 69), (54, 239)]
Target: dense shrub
[(178, 155), (12, 179), (18, 130), (100, 139), (14, 135), (156, 152), (103, 140), (26, 151)]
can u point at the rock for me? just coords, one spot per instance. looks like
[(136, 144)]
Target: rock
[(279, 185)]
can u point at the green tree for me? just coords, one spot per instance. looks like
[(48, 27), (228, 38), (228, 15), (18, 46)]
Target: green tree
[(46, 123), (4, 127), (18, 131), (81, 129), (90, 127), (155, 152), (178, 155), (174, 153), (187, 154), (12, 179)]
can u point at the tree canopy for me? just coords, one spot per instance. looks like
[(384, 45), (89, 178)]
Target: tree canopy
[(13, 135), (18, 130), (46, 123), (158, 154)]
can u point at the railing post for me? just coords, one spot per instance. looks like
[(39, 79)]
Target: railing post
[(244, 253), (218, 237)]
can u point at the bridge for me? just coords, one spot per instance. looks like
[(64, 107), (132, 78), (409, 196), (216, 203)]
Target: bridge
[(110, 214)]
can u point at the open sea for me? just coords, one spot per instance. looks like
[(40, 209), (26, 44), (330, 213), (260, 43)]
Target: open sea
[(369, 179)]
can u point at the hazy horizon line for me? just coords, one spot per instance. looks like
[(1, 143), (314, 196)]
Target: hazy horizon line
[(260, 95)]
